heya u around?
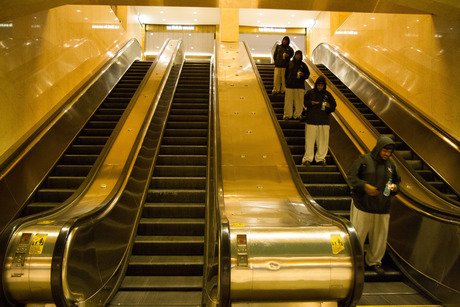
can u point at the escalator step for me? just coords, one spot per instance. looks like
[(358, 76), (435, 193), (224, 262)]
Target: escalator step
[(86, 149), (53, 195), (168, 245), (185, 141), (183, 150), (165, 298), (54, 182), (177, 195), (174, 210), (340, 189), (182, 160), (165, 265), (179, 171), (152, 283), (176, 226), (91, 140), (178, 183), (186, 133), (72, 170), (79, 159)]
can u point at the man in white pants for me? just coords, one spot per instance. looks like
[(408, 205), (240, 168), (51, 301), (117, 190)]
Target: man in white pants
[(320, 104), (374, 178), (282, 55), (296, 74)]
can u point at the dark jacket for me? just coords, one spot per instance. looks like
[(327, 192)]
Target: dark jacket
[(291, 73), (370, 168), (278, 54), (316, 116)]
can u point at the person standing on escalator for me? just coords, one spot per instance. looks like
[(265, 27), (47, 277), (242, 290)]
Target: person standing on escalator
[(319, 103), (374, 178), (296, 74), (282, 55)]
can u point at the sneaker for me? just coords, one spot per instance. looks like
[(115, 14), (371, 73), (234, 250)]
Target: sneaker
[(282, 92), (286, 117), (322, 163), (306, 163), (275, 92), (378, 269)]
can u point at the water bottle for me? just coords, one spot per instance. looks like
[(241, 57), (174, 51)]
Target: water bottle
[(323, 105), (298, 74), (386, 192)]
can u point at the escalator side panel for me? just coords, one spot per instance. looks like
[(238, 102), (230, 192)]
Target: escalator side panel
[(43, 153)]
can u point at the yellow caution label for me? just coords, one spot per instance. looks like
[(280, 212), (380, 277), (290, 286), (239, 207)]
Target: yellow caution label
[(36, 247), (238, 224), (337, 244)]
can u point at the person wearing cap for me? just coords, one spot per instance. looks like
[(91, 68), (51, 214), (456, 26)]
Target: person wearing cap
[(296, 74), (282, 55), (319, 104), (370, 175)]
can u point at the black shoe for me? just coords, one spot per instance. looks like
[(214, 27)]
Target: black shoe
[(378, 269), (322, 163), (306, 163)]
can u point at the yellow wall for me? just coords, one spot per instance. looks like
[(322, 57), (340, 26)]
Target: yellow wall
[(45, 57), (415, 55)]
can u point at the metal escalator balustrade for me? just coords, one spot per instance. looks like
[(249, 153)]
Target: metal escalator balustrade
[(166, 265), (73, 167), (84, 246), (404, 151)]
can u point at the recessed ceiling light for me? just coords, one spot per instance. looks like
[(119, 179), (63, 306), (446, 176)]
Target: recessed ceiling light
[(161, 12), (195, 19)]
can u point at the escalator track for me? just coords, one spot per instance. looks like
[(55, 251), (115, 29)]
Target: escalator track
[(75, 164), (429, 175), (328, 187), (166, 264)]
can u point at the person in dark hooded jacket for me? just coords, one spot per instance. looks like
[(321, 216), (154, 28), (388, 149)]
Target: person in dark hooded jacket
[(319, 104), (296, 74), (282, 55), (369, 175)]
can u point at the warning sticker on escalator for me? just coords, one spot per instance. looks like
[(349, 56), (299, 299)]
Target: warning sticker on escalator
[(38, 242), (337, 244)]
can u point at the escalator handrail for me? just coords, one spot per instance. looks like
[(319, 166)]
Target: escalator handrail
[(222, 233), (354, 241), (447, 208)]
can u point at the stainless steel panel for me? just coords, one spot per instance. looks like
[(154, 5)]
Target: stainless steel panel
[(293, 252)]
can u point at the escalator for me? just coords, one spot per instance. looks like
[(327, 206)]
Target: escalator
[(166, 264), (328, 187), (75, 164), (429, 175)]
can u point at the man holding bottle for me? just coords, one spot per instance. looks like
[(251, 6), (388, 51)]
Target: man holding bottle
[(374, 178), (320, 104), (296, 74)]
